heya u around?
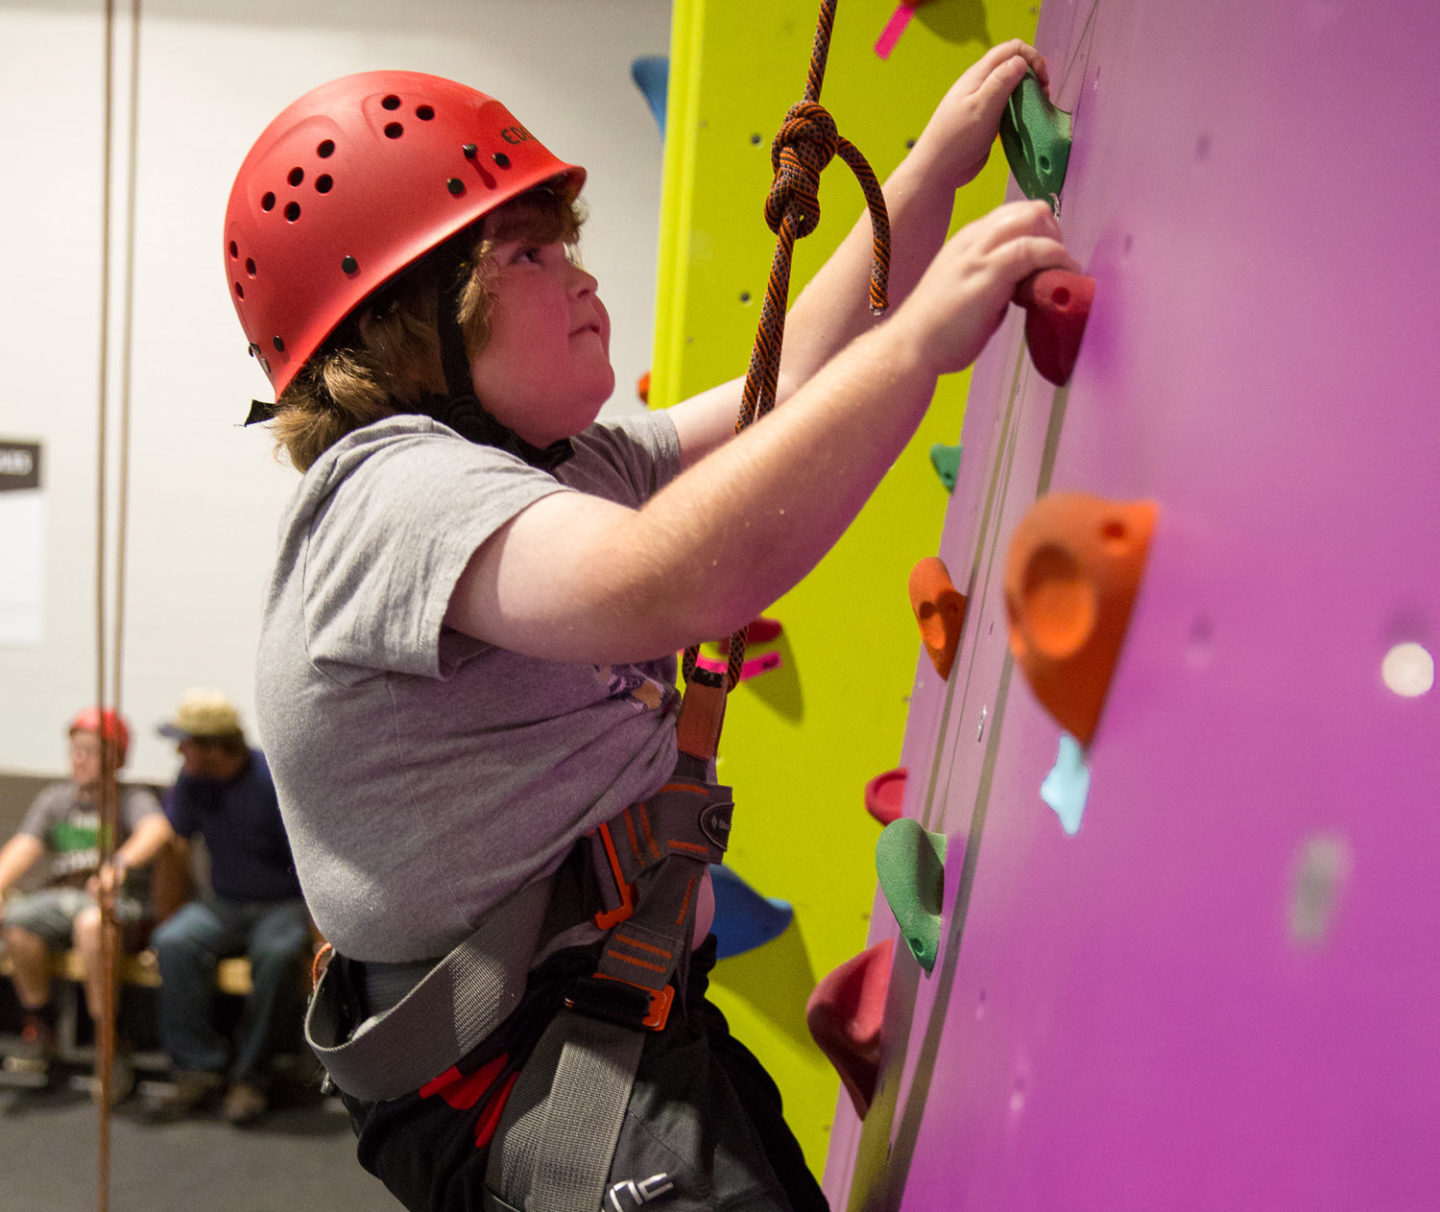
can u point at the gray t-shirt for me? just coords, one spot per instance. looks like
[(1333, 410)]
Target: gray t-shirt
[(69, 826), (425, 775)]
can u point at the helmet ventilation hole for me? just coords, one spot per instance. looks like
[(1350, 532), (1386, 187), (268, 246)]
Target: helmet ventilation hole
[(326, 149), (250, 266), (297, 175), (391, 102), (239, 291), (279, 344), (501, 159), (393, 130), (267, 202), (234, 250), (292, 211), (424, 112), (323, 183)]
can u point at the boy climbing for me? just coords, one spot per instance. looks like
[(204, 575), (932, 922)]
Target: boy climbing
[(466, 677)]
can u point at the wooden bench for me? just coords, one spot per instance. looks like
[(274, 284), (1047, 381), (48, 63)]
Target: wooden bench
[(142, 968)]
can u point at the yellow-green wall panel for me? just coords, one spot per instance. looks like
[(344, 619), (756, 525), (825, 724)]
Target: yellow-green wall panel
[(801, 742)]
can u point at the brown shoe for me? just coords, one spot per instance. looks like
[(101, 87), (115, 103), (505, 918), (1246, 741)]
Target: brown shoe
[(244, 1104), (191, 1090)]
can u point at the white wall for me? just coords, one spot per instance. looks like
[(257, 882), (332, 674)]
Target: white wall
[(205, 494)]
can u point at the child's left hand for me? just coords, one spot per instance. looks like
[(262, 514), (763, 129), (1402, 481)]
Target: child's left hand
[(956, 141)]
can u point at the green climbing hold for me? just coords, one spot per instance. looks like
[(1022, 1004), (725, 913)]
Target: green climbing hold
[(946, 461), (1036, 139), (911, 864)]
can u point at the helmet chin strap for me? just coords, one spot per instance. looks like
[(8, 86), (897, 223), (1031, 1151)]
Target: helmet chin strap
[(461, 411)]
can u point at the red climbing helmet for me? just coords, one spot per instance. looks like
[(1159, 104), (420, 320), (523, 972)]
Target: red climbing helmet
[(108, 725), (353, 182)]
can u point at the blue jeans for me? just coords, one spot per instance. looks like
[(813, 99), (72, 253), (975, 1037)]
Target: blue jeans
[(275, 935)]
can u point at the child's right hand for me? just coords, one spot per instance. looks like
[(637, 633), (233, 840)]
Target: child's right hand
[(962, 296)]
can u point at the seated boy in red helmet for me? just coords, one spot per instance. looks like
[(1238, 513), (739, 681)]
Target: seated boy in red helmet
[(63, 827), (467, 661)]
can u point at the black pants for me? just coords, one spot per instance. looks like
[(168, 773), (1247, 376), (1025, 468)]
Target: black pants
[(703, 1111)]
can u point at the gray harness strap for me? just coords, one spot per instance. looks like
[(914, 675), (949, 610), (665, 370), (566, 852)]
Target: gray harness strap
[(556, 1138), (458, 1003)]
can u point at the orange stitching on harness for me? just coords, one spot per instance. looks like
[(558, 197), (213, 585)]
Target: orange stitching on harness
[(639, 963), (685, 904), (605, 919), (639, 946), (687, 788), (649, 836)]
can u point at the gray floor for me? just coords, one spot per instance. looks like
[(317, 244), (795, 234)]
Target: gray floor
[(299, 1158)]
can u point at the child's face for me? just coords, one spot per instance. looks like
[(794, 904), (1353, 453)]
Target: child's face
[(545, 370)]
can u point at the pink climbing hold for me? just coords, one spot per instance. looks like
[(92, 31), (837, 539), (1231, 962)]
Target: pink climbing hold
[(760, 631), (885, 795), (899, 19), (752, 668), (844, 1014)]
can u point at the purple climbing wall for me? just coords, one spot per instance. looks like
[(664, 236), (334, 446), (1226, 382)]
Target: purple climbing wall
[(1223, 991)]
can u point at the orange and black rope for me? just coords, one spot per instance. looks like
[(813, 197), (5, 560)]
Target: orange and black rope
[(806, 143)]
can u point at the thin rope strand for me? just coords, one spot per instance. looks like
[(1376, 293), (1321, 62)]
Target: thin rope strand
[(108, 806)]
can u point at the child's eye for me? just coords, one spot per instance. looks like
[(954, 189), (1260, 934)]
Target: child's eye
[(531, 254)]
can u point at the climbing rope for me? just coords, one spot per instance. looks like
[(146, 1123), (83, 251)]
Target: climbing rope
[(806, 143), (109, 808)]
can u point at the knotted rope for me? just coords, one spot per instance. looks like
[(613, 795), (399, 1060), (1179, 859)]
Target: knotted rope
[(806, 143)]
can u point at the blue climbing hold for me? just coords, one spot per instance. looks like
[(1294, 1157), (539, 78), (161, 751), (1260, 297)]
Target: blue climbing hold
[(651, 74), (744, 919)]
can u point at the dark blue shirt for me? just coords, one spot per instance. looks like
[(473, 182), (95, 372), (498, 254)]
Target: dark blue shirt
[(240, 821)]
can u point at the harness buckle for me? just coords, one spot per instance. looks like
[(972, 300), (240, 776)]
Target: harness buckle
[(619, 1002)]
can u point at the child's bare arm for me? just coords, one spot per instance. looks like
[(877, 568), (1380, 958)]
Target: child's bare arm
[(834, 308), (578, 579)]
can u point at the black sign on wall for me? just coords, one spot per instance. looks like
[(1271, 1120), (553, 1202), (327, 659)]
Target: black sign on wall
[(19, 465)]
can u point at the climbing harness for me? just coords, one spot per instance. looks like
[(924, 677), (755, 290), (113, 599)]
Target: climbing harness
[(557, 1133)]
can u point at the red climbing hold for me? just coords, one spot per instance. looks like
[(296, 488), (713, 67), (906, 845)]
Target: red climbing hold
[(885, 795), (844, 1014), (1057, 305)]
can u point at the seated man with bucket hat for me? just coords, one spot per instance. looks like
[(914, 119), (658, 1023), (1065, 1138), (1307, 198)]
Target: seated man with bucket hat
[(224, 793)]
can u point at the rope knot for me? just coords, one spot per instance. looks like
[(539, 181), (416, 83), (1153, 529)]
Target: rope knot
[(807, 142)]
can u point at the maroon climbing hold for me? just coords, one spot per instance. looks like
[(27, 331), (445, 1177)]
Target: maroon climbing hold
[(1057, 305), (844, 1014)]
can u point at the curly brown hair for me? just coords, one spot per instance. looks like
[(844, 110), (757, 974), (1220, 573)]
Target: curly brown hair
[(385, 355)]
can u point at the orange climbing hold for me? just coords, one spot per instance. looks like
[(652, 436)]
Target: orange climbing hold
[(844, 1014), (1057, 306), (1071, 577), (939, 609)]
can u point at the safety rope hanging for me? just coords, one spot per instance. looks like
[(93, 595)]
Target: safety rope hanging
[(109, 808), (807, 141)]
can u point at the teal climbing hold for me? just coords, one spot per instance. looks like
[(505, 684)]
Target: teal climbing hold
[(911, 864), (1036, 139), (946, 462)]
